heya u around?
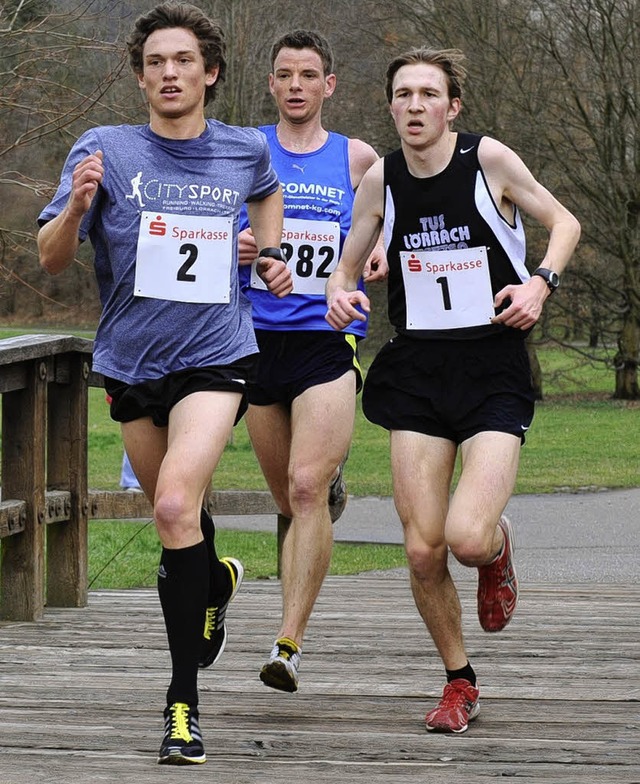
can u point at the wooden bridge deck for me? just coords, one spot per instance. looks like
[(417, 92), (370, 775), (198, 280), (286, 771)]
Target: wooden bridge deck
[(82, 690)]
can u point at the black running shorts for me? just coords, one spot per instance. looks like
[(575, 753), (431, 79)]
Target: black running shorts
[(451, 389), (291, 362), (157, 397)]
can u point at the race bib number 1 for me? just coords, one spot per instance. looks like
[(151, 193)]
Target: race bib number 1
[(447, 289), (184, 258)]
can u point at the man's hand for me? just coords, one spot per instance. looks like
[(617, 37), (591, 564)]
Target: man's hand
[(247, 248), (342, 308), (527, 300), (376, 267), (276, 275), (85, 180)]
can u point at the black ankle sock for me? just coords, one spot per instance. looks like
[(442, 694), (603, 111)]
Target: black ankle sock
[(183, 584), (218, 572), (466, 672)]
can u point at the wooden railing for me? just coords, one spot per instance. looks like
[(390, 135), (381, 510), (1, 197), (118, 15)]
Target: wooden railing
[(46, 502)]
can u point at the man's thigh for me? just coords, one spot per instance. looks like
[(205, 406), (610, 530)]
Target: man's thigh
[(422, 469), (487, 479), (322, 420)]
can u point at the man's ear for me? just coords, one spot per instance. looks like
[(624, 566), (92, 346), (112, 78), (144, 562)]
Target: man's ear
[(212, 75), (329, 85)]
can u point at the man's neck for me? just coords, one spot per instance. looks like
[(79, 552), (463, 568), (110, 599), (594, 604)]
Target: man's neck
[(305, 137), (178, 127), (431, 160)]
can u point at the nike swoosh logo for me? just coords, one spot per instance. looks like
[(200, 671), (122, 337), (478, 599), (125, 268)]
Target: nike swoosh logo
[(524, 428), (463, 152)]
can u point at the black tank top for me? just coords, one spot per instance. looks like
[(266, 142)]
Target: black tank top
[(451, 211)]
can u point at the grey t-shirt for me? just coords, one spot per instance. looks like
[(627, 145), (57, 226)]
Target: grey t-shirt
[(147, 177)]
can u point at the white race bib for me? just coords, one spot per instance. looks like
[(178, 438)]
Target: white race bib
[(311, 249), (185, 258), (447, 289)]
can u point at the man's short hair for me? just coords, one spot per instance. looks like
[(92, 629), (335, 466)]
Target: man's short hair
[(305, 39), (448, 60)]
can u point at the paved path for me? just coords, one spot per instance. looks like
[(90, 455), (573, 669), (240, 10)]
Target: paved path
[(560, 537)]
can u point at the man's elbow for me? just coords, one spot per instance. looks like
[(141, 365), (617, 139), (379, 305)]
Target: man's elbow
[(51, 262)]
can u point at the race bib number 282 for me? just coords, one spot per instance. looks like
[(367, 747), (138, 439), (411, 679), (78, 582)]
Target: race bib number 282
[(311, 249)]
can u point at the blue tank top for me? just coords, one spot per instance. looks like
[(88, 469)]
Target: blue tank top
[(316, 188)]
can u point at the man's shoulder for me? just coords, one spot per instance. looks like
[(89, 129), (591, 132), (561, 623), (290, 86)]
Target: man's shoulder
[(362, 156), (116, 134), (239, 134)]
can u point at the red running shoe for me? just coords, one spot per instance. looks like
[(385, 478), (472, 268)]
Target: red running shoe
[(498, 586), (459, 705)]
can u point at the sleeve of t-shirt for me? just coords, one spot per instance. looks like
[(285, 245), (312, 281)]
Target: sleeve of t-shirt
[(87, 144), (265, 180)]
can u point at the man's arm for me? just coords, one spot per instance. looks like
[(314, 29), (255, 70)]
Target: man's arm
[(58, 240), (508, 174), (265, 217), (342, 287), (362, 156)]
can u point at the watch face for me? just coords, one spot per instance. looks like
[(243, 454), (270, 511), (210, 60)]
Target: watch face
[(552, 279)]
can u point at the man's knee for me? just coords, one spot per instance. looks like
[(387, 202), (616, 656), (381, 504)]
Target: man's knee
[(308, 487), (175, 514), (427, 563), (472, 545)]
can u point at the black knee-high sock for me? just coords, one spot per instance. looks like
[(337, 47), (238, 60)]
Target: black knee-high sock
[(183, 585), (219, 580)]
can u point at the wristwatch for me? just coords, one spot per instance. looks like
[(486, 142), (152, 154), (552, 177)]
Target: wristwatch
[(551, 278), (272, 253)]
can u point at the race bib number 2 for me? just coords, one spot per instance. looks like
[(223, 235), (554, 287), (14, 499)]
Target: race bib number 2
[(447, 289), (184, 258)]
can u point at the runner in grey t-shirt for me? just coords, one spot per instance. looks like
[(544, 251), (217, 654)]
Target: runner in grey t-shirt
[(175, 344)]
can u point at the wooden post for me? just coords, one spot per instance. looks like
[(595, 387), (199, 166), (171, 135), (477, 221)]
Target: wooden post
[(23, 476), (67, 542)]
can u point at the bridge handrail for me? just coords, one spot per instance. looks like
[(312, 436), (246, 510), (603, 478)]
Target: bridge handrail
[(46, 502)]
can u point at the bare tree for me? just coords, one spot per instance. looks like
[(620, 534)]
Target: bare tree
[(593, 47), (55, 71)]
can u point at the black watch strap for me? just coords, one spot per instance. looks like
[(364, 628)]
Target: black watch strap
[(272, 253), (551, 278)]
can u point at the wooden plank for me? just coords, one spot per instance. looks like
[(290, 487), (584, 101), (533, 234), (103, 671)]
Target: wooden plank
[(13, 515), (81, 691), (241, 502), (120, 505), (29, 347)]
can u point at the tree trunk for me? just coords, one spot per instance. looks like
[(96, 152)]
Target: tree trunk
[(626, 360)]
